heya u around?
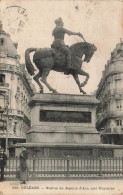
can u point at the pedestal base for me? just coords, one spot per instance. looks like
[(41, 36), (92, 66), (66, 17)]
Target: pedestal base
[(63, 125), (73, 150), (38, 135)]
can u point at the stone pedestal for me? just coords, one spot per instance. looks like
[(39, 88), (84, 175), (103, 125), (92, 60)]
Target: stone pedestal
[(62, 119), (61, 124)]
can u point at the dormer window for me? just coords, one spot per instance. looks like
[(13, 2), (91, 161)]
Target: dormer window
[(2, 41), (18, 89)]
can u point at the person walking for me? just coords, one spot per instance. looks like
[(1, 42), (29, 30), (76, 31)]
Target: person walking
[(3, 161), (23, 166)]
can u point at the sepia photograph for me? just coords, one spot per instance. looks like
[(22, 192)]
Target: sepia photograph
[(61, 97)]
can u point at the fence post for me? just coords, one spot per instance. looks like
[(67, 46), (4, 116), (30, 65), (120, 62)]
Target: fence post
[(68, 166), (100, 166), (16, 164), (33, 165), (122, 165)]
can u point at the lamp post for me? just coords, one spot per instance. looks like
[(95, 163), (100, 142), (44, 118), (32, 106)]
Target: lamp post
[(2, 125), (7, 131), (7, 119), (2, 120)]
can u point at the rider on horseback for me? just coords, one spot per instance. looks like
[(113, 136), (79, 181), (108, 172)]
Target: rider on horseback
[(58, 33)]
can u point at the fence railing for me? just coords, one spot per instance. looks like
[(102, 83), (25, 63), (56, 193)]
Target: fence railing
[(68, 167)]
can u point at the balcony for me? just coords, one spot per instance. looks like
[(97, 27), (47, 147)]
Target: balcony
[(113, 68), (115, 113), (116, 130), (117, 93), (4, 86), (15, 112), (108, 114), (12, 135), (10, 68)]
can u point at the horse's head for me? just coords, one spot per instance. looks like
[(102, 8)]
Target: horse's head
[(83, 48), (89, 51)]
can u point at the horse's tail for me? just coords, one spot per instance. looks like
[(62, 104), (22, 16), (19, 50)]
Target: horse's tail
[(29, 65)]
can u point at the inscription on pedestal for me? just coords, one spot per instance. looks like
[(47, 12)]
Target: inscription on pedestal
[(59, 153), (65, 116)]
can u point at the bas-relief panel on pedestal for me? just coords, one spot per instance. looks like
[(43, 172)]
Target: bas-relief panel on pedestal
[(65, 116)]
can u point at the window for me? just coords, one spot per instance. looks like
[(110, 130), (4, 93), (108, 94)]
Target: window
[(18, 89), (109, 85), (119, 123), (120, 52), (119, 104), (2, 78), (118, 84)]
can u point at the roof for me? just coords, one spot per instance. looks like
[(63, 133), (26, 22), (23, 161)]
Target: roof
[(6, 44)]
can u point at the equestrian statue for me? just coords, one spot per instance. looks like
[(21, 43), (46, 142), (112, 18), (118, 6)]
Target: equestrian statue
[(60, 58)]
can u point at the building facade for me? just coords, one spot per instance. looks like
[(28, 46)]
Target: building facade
[(110, 93), (16, 89)]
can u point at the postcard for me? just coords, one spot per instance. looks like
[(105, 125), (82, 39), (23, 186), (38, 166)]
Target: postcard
[(53, 61)]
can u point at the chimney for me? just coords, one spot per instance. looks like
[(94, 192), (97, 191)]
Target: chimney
[(1, 26)]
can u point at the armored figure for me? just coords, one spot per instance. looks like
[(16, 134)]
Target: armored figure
[(59, 33), (3, 160)]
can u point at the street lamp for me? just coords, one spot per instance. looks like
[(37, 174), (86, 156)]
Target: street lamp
[(1, 119), (4, 122), (6, 130)]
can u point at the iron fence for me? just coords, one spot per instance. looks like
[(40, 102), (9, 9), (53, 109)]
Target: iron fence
[(67, 167)]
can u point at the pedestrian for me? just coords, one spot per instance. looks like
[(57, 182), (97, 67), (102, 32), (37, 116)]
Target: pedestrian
[(3, 161), (23, 166)]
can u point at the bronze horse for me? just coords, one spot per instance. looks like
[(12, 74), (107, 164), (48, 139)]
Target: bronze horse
[(48, 59)]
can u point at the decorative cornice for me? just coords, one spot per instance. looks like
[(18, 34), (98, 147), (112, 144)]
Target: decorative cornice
[(63, 99)]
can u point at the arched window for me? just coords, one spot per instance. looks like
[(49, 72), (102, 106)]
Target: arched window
[(2, 41)]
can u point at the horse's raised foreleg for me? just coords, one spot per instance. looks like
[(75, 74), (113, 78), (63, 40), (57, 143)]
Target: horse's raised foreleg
[(45, 73), (81, 72), (75, 76), (36, 78)]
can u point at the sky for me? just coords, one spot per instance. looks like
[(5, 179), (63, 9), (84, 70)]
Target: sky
[(100, 22)]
